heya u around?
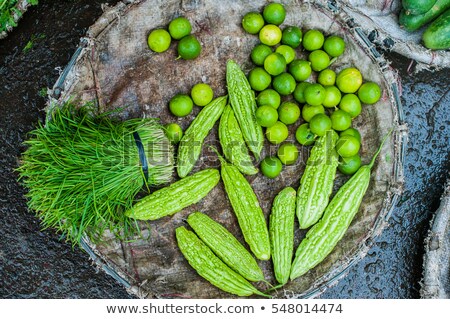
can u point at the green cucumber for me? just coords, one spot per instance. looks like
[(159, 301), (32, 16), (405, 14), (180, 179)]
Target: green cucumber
[(437, 35), (417, 6), (415, 22)]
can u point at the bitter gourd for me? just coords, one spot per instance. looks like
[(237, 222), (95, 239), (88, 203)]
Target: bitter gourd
[(233, 144)]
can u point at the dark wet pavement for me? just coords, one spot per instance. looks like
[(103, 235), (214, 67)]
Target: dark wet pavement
[(34, 263)]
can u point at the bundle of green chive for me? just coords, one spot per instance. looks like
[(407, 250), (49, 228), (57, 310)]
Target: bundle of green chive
[(83, 170)]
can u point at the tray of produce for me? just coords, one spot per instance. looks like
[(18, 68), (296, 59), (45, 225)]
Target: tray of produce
[(203, 149)]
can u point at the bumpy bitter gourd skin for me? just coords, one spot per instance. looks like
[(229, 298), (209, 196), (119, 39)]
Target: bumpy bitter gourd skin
[(321, 239), (210, 267), (191, 143), (173, 198), (317, 181), (281, 229), (247, 209), (243, 102), (225, 246), (233, 144)]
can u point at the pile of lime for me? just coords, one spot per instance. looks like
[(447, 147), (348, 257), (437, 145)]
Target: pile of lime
[(287, 94), (180, 28), (182, 105)]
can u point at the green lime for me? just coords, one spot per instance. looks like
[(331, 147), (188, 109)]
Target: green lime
[(300, 69), (314, 94), (340, 120), (277, 133), (271, 166), (275, 63), (291, 36), (269, 97), (266, 116), (304, 136), (259, 53), (349, 80), (347, 146), (313, 40), (288, 112), (286, 51), (159, 40), (320, 124), (202, 94), (334, 45), (332, 96), (319, 60), (369, 93), (189, 48), (287, 153), (327, 77), (270, 35), (252, 22), (259, 79), (179, 28), (299, 92), (284, 83), (309, 111), (349, 165), (174, 133), (351, 104), (274, 13), (181, 105), (352, 132)]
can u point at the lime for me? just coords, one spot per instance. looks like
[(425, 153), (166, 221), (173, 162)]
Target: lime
[(303, 135), (299, 92), (174, 133), (288, 112), (274, 13), (270, 35), (352, 132), (327, 77), (319, 60), (351, 104), (266, 116), (269, 97), (179, 28), (313, 40), (286, 51), (369, 93), (349, 165), (259, 53), (259, 79), (320, 124), (284, 83), (314, 94), (275, 63), (287, 153), (309, 111), (252, 22), (332, 96), (181, 105), (349, 80), (300, 69), (202, 94), (159, 40), (334, 45), (291, 36), (271, 166), (340, 120), (189, 48), (277, 133), (347, 146)]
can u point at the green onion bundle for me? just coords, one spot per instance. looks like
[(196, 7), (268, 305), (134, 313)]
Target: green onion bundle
[(83, 170)]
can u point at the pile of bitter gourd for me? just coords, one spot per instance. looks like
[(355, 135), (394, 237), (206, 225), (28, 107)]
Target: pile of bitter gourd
[(209, 247)]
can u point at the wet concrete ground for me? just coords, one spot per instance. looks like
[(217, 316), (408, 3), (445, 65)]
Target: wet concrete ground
[(34, 263)]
